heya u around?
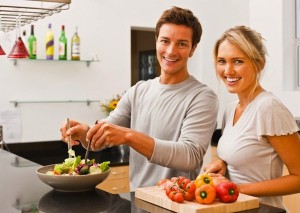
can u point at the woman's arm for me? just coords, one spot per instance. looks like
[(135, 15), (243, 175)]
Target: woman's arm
[(288, 148)]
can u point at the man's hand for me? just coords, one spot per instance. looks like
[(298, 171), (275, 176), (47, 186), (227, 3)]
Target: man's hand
[(104, 135), (77, 131)]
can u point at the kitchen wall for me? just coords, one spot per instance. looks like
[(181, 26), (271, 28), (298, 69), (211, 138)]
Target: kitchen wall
[(104, 27)]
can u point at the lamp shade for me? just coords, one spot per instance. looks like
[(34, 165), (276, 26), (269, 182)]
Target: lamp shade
[(1, 51), (19, 50)]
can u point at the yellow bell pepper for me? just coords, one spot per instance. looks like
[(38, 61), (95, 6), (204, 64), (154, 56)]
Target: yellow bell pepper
[(203, 179)]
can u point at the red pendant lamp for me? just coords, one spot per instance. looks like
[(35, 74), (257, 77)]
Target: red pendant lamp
[(1, 51), (19, 50)]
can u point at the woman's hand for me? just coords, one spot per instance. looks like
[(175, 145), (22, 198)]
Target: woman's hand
[(77, 131), (218, 166)]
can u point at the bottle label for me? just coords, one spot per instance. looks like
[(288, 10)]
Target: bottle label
[(49, 44), (75, 49), (61, 49), (50, 49), (34, 48)]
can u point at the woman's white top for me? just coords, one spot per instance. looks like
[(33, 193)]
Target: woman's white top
[(249, 155)]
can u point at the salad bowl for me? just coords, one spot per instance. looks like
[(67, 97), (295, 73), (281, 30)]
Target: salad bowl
[(71, 183)]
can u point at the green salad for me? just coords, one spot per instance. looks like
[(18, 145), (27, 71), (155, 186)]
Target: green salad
[(74, 165)]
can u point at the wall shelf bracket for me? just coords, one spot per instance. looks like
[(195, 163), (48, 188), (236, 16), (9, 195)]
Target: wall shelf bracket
[(88, 102)]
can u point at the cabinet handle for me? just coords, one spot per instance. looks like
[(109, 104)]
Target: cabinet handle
[(117, 173), (116, 188)]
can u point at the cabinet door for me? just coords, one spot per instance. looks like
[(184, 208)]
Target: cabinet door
[(117, 182), (118, 172), (116, 186), (292, 202)]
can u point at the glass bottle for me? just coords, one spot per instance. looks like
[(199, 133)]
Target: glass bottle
[(75, 46), (62, 51), (49, 43), (32, 44)]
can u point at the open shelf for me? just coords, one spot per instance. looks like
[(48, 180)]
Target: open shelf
[(27, 11), (88, 62)]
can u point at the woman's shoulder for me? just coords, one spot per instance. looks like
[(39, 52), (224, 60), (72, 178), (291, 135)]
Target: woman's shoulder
[(267, 99), (274, 118)]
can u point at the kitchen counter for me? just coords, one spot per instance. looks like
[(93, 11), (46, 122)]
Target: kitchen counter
[(22, 191)]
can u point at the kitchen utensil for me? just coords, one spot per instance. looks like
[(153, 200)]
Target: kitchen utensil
[(88, 148), (70, 137), (87, 152)]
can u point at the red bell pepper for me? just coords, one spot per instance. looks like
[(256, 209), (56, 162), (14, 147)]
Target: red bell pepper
[(227, 192)]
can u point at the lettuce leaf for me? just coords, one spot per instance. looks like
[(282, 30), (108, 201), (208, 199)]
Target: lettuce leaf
[(104, 166)]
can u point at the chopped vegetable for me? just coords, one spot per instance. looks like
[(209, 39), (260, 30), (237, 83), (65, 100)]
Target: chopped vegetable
[(71, 153), (76, 166), (104, 166)]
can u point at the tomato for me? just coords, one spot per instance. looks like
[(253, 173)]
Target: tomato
[(167, 184), (205, 194), (172, 195), (178, 179), (175, 187), (178, 188), (178, 197), (184, 183), (161, 182), (56, 173), (168, 190), (189, 196), (190, 187)]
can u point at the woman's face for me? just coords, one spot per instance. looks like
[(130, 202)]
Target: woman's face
[(235, 69)]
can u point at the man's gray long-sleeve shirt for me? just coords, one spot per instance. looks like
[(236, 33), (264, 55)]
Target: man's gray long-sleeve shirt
[(180, 117)]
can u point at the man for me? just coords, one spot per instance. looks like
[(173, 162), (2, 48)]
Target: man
[(167, 121)]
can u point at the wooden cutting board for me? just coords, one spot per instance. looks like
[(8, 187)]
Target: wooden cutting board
[(157, 196)]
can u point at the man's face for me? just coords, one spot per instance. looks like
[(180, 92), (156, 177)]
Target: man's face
[(174, 47)]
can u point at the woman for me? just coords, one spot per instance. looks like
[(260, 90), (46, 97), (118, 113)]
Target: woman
[(259, 133)]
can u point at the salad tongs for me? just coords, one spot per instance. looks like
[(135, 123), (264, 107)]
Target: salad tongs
[(70, 138), (87, 152), (88, 148)]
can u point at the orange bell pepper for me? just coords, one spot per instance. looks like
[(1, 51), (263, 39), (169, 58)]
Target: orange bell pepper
[(205, 194)]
